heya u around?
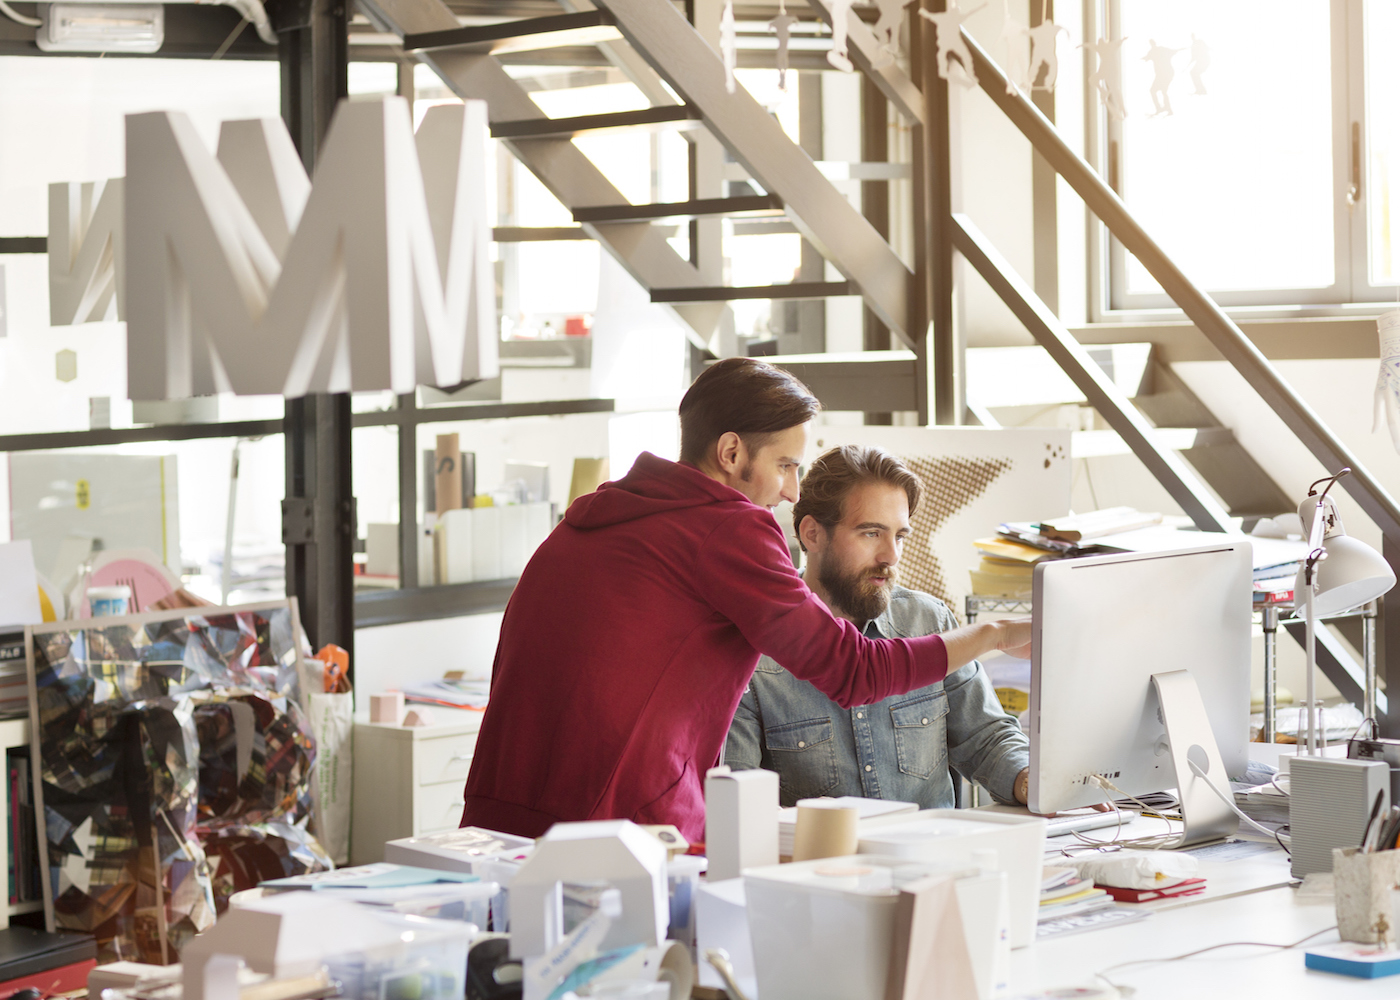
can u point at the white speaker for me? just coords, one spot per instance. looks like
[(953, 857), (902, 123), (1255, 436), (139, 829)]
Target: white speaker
[(1329, 802)]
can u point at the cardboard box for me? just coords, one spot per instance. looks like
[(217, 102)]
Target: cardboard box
[(741, 820)]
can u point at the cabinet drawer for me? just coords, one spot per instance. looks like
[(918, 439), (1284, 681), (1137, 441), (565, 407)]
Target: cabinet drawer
[(439, 807), (447, 758)]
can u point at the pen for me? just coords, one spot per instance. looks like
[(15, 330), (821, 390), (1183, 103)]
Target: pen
[(1366, 834), (1389, 830)]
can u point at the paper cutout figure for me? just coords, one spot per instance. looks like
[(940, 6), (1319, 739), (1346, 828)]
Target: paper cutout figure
[(728, 44), (887, 31), (1163, 72), (1388, 381), (1044, 37), (837, 55), (1107, 75), (1200, 62), (951, 44), (782, 25), (1018, 61)]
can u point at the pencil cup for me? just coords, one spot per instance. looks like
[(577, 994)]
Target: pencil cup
[(1364, 884)]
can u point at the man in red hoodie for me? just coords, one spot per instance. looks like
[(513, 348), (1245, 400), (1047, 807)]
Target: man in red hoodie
[(636, 626)]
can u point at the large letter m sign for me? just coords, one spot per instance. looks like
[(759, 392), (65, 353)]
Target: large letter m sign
[(242, 275)]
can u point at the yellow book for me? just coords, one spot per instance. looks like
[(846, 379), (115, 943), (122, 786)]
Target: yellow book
[(991, 585), (1005, 548)]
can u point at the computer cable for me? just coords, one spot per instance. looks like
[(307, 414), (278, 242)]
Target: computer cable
[(1128, 991), (1229, 801)]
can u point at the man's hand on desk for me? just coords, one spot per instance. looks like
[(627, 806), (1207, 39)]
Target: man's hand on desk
[(1023, 792), (971, 641)]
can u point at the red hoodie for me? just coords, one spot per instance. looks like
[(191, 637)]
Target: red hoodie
[(627, 645)]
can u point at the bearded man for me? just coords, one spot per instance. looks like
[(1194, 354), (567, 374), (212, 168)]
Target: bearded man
[(852, 519)]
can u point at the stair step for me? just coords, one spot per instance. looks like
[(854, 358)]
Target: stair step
[(679, 209), (568, 127), (727, 293), (495, 38), (24, 244), (1101, 443), (537, 234)]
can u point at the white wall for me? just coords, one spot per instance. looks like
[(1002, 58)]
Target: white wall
[(389, 656)]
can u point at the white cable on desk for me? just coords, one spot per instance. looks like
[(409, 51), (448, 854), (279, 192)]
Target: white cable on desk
[(1129, 991)]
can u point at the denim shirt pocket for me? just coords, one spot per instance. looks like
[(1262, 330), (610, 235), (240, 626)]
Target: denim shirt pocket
[(920, 733), (804, 754)]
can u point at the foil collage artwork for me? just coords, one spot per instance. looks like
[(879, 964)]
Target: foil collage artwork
[(176, 770)]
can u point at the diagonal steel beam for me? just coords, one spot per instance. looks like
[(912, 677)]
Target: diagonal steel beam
[(1199, 307), (1337, 665), (660, 33), (1112, 403), (561, 166)]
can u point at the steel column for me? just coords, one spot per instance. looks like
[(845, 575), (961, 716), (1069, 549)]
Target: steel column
[(318, 515), (408, 492), (937, 350)]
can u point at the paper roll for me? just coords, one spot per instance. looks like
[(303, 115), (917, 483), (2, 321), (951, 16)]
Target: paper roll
[(667, 963), (825, 829)]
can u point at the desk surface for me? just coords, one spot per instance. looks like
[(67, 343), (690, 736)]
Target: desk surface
[(1248, 899)]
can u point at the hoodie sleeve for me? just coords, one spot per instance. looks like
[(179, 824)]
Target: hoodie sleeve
[(745, 573)]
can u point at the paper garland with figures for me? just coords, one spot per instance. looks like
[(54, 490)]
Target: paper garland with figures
[(728, 44), (1388, 380), (950, 43), (782, 26)]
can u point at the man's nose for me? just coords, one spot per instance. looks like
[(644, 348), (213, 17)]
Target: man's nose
[(791, 490)]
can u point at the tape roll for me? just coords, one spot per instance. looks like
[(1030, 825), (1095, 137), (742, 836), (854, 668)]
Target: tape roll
[(825, 829)]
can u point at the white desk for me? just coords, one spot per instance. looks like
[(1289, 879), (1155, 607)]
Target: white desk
[(1248, 899)]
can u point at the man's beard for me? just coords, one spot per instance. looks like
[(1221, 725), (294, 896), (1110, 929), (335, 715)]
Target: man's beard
[(853, 594)]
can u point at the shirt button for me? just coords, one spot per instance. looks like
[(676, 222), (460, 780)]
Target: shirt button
[(860, 715), (801, 744), (867, 767), (926, 722)]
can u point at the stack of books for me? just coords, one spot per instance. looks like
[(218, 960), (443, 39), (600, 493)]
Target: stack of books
[(1064, 894), (1008, 567), (1274, 584)]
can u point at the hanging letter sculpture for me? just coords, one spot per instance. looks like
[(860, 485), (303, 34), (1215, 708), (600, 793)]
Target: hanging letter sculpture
[(782, 25), (951, 44)]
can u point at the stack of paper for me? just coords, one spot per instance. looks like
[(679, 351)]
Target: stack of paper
[(1063, 894), (870, 812), (451, 693)]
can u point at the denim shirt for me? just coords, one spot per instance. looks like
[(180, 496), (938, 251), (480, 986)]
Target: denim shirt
[(898, 748)]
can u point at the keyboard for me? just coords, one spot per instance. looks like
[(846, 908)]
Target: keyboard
[(1076, 821)]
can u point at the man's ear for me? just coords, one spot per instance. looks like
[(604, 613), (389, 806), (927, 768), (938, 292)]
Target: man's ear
[(730, 452), (810, 532)]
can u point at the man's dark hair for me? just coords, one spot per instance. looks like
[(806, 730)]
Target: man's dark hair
[(837, 472), (749, 397)]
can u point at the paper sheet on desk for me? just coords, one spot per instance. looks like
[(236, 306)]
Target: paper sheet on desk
[(1231, 850)]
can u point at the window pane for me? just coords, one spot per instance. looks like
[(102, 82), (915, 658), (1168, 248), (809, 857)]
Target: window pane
[(1236, 184), (1383, 139)]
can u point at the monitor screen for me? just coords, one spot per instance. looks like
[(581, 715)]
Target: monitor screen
[(1103, 626)]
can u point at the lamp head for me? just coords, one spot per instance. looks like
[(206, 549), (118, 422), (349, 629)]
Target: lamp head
[(1346, 572)]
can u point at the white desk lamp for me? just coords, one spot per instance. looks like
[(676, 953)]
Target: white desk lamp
[(1339, 573)]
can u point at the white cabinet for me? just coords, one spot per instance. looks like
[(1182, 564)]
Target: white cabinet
[(409, 779)]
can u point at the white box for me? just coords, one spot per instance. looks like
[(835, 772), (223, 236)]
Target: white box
[(458, 544), (956, 835), (540, 522), (741, 820), (382, 549), (512, 523), (486, 543), (461, 850), (722, 921), (824, 930)]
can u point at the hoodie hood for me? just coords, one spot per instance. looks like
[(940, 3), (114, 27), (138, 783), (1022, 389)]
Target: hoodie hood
[(653, 486)]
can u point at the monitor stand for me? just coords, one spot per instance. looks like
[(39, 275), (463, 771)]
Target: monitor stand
[(1189, 737)]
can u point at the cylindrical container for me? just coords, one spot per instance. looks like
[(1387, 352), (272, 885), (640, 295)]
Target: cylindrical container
[(105, 601), (1364, 884), (825, 829)]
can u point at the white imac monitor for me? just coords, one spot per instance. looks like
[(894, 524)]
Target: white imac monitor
[(1104, 625)]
